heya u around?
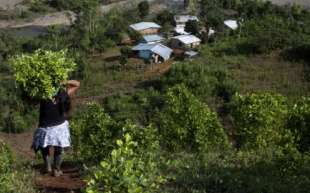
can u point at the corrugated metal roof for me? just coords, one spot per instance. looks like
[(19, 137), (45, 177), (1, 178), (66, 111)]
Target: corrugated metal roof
[(180, 30), (232, 24), (185, 18), (144, 25), (152, 38), (187, 39), (156, 48)]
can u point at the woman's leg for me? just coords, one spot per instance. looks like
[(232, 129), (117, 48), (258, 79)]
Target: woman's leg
[(57, 157), (46, 158)]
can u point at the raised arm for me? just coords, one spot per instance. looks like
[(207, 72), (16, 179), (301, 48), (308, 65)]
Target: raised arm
[(72, 86)]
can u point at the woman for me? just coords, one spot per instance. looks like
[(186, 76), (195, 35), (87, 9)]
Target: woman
[(53, 128)]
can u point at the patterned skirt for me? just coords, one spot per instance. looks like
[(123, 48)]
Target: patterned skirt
[(58, 135)]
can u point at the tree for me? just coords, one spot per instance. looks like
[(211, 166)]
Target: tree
[(165, 17), (144, 8), (192, 27)]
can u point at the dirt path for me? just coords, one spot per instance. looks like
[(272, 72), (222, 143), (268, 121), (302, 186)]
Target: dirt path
[(57, 18), (9, 4), (69, 182)]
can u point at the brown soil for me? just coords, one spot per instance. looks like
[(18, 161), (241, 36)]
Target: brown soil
[(19, 143), (69, 182)]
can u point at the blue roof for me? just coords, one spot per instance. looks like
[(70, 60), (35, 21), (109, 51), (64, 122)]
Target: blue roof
[(152, 38), (156, 48)]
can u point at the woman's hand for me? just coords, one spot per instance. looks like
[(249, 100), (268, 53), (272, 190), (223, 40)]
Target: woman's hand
[(72, 86)]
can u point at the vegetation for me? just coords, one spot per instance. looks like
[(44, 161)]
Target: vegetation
[(40, 74), (234, 119)]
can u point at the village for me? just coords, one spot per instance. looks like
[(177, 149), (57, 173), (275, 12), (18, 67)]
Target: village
[(156, 46)]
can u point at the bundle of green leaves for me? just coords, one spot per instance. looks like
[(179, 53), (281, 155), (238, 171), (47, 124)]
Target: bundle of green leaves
[(41, 73)]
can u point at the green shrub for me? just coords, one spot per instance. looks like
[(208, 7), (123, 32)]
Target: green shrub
[(186, 122), (256, 172), (126, 171), (40, 74), (196, 77), (260, 121), (299, 123), (93, 133), (6, 161)]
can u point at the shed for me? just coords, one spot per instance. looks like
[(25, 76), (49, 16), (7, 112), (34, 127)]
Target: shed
[(180, 30), (152, 39), (153, 52), (185, 41), (180, 20), (231, 24), (146, 27)]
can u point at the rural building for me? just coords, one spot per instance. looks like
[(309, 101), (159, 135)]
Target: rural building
[(231, 24), (180, 22), (152, 39), (185, 41), (154, 53), (145, 28)]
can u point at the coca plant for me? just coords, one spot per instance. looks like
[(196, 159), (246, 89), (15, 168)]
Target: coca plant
[(41, 73)]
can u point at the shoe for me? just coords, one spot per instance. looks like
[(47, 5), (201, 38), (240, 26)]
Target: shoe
[(57, 173)]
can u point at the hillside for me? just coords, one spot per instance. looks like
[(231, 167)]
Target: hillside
[(204, 98)]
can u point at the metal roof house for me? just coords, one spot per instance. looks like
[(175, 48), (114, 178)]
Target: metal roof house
[(231, 24), (185, 41), (146, 27), (152, 39), (180, 20), (154, 52)]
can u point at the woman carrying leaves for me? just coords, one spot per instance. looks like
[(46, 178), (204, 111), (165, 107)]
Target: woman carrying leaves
[(53, 131)]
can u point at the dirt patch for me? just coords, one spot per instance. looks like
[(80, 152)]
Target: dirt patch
[(19, 143), (57, 18), (69, 182), (9, 4)]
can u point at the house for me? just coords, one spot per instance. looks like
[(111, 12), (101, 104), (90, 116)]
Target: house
[(180, 30), (146, 27), (180, 22), (147, 39), (231, 24), (153, 52), (185, 41)]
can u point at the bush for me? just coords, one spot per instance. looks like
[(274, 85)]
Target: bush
[(260, 121), (196, 77), (6, 161), (93, 133), (299, 123), (188, 123), (126, 170), (40, 74)]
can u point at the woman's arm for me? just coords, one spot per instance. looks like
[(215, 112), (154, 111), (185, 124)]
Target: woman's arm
[(72, 86)]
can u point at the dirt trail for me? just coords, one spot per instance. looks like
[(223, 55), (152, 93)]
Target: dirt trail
[(57, 18), (69, 182)]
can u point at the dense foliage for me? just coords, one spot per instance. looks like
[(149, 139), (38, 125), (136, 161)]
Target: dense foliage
[(261, 121), (126, 170), (41, 74), (6, 161), (187, 122), (299, 123)]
